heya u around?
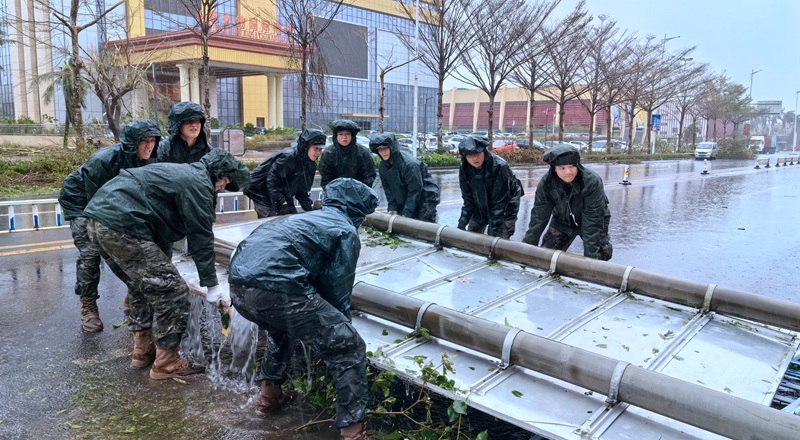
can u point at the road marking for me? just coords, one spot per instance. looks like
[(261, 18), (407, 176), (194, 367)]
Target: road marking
[(35, 244), (30, 251)]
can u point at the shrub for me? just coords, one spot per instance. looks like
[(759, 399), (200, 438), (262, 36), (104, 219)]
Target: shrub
[(440, 160), (521, 156), (734, 149)]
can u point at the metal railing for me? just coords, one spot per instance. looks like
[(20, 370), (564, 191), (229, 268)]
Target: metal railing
[(41, 214)]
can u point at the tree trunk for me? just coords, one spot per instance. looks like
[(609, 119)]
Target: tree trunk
[(489, 133), (304, 87), (439, 115), (381, 109)]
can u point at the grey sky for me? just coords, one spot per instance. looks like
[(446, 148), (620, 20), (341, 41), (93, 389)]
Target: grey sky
[(733, 36)]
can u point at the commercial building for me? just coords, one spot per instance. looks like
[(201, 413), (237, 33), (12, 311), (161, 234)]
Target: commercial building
[(252, 75)]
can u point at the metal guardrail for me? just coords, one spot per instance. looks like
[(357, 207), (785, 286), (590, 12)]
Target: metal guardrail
[(41, 214)]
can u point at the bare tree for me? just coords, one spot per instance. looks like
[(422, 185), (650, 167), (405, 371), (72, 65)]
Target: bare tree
[(532, 74), (71, 23), (687, 97), (490, 59), (112, 74), (443, 38), (616, 77), (641, 64), (305, 22), (566, 55), (663, 83), (601, 56), (386, 65)]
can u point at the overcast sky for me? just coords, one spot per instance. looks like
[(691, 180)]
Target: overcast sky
[(733, 36)]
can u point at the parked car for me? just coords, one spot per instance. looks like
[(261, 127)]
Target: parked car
[(523, 144), (580, 144), (502, 145), (452, 144), (600, 145)]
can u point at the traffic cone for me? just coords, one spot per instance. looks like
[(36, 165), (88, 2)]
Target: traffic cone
[(758, 164), (625, 175), (778, 162), (791, 160), (705, 166), (767, 165)]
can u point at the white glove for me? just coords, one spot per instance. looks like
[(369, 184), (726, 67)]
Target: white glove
[(218, 297)]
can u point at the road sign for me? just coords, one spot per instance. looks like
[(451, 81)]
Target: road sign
[(656, 122)]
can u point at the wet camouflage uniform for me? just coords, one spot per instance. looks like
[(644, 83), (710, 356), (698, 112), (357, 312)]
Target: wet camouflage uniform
[(409, 187), (294, 276), (286, 174), (491, 195), (136, 216), (354, 160), (579, 208), (82, 184), (173, 148)]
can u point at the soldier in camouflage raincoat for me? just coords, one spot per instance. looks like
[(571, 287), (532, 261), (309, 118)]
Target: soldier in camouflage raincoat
[(134, 218), (346, 157), (286, 174), (137, 141), (293, 277), (409, 187), (187, 141), (490, 191)]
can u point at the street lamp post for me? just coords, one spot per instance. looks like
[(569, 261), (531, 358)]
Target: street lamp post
[(664, 42), (750, 93), (794, 138)]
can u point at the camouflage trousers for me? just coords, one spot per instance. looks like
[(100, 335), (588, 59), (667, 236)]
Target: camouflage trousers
[(555, 239), (158, 295), (87, 266), (314, 321)]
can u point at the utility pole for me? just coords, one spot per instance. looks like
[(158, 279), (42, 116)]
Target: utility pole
[(794, 138)]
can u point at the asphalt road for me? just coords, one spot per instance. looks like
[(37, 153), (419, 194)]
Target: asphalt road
[(735, 227)]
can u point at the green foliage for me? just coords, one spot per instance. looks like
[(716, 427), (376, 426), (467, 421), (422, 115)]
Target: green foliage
[(376, 237), (249, 129), (734, 149), (440, 160), (25, 120), (213, 123), (41, 174)]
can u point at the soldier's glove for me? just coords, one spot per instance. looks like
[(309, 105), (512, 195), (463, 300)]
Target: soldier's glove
[(317, 204), (287, 209), (218, 297), (391, 212)]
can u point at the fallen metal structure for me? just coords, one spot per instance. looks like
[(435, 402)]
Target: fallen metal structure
[(564, 346)]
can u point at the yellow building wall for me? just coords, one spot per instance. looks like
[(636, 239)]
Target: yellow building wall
[(134, 11), (254, 99)]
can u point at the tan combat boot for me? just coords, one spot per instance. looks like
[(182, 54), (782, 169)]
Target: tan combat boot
[(272, 398), (356, 431), (90, 315), (144, 351), (170, 364)]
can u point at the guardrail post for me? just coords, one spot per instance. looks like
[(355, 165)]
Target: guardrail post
[(35, 216), (58, 214), (11, 225)]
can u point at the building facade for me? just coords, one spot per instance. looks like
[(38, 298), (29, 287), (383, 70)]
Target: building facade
[(252, 76)]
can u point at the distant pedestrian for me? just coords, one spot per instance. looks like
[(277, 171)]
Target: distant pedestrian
[(490, 191), (572, 199), (187, 141), (346, 157), (294, 277), (134, 219), (286, 175), (409, 187), (137, 141)]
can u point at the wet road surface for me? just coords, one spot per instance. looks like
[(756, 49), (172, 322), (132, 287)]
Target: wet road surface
[(735, 227)]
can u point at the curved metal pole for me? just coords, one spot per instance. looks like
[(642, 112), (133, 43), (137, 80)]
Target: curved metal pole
[(695, 405), (730, 302)]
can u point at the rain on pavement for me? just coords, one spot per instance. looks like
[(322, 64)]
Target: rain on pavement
[(733, 227)]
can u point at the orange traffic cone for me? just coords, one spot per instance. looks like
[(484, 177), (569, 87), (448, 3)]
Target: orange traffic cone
[(705, 166), (758, 164)]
